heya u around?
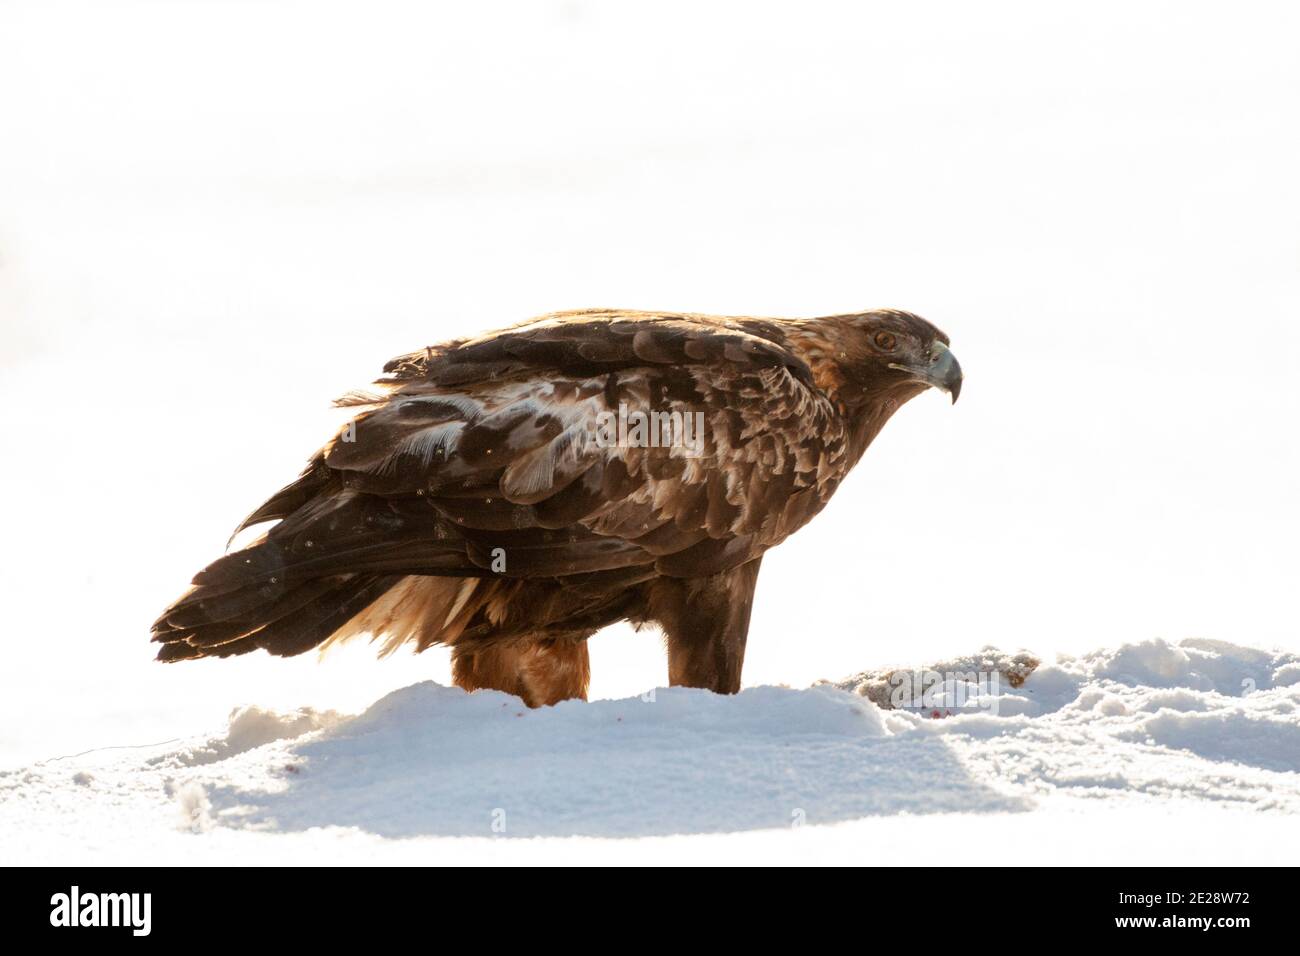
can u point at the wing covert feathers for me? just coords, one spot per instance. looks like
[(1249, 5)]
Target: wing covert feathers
[(492, 447)]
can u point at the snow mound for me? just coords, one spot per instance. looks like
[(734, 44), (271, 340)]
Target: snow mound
[(250, 728), (1149, 728), (1198, 719), (432, 760)]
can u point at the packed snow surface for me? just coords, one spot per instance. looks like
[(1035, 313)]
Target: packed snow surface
[(1085, 755)]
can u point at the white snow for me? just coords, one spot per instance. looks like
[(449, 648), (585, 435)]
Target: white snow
[(215, 218), (1156, 742)]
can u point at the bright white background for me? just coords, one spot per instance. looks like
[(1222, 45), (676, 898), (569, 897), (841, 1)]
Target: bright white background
[(217, 216)]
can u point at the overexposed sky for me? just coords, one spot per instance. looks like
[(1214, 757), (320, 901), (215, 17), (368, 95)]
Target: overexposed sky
[(217, 216)]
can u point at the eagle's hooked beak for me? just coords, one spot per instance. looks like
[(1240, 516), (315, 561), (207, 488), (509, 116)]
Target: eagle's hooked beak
[(942, 372)]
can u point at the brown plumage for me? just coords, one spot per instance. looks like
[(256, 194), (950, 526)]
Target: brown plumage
[(487, 498)]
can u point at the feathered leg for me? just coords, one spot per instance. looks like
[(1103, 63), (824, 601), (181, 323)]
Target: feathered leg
[(541, 672), (706, 621)]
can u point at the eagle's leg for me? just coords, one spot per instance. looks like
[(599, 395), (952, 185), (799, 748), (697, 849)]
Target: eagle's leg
[(541, 672), (706, 621)]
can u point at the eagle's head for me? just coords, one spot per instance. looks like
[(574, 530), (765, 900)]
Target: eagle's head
[(899, 349), (882, 357)]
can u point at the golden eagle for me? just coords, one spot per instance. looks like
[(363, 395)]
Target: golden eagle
[(512, 494)]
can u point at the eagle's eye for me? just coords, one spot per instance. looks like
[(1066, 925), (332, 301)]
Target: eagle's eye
[(885, 341)]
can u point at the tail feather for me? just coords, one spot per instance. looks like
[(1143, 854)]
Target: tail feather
[(286, 625), (332, 555), (314, 623), (259, 603)]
